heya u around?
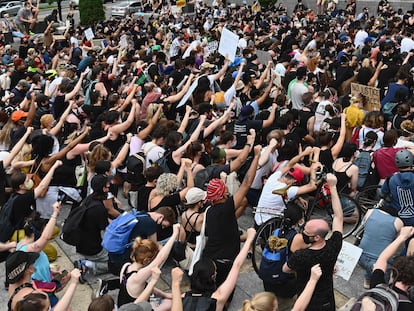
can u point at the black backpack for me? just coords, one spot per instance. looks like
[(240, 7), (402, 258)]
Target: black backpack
[(135, 168), (202, 177), (71, 229), (193, 302), (6, 227)]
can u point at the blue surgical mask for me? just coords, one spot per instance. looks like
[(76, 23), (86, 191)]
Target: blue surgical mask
[(113, 171)]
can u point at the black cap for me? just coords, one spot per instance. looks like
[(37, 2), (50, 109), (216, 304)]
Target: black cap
[(17, 263)]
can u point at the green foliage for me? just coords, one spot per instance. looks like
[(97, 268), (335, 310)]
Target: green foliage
[(91, 12), (267, 3)]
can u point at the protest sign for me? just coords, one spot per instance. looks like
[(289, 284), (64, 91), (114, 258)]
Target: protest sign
[(347, 260), (372, 95), (89, 34), (228, 44)]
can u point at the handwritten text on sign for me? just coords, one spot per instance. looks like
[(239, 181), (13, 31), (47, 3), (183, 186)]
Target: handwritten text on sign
[(347, 260)]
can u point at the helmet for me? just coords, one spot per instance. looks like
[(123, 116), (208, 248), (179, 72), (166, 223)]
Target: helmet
[(404, 158)]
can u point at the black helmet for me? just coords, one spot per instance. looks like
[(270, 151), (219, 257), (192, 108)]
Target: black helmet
[(404, 158)]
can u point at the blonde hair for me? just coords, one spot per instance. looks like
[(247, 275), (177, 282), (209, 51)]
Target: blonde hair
[(46, 119), (166, 184), (98, 153), (5, 133), (151, 110), (144, 250), (407, 127), (264, 301)]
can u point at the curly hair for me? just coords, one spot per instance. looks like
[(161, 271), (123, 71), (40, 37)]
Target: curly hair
[(144, 250), (264, 301), (166, 184), (374, 119), (405, 267)]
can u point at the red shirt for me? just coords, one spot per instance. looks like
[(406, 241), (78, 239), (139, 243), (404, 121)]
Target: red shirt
[(384, 159)]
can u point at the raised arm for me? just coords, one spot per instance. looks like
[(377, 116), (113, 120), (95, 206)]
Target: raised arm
[(340, 142), (264, 157), (238, 162), (259, 83), (123, 153), (64, 302), (57, 128), (119, 128), (338, 219), (176, 276), (149, 288), (304, 298), (241, 193), (178, 153), (40, 243), (222, 71), (185, 120), (269, 121), (154, 120), (32, 111), (265, 95), (175, 98), (77, 88), (46, 180), (224, 291), (16, 149), (390, 250)]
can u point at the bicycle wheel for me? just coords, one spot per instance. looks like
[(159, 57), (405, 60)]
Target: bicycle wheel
[(368, 197), (351, 209), (262, 234)]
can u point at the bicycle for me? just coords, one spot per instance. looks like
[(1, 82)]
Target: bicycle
[(368, 197), (320, 207)]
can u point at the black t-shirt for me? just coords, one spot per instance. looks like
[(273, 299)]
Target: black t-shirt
[(172, 201), (23, 206), (241, 130), (303, 260), (378, 277), (95, 220), (59, 106), (143, 198), (2, 184), (222, 231)]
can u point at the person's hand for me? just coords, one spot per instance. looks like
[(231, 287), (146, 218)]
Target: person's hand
[(188, 109), (177, 275), (251, 233), (331, 179), (272, 143), (367, 304), (186, 162), (57, 164), (75, 274), (203, 118), (308, 150), (29, 130), (11, 246), (155, 274), (252, 132), (316, 272), (257, 150), (33, 95), (176, 228), (274, 107), (406, 232), (129, 136)]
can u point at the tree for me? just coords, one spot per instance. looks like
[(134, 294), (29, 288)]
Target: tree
[(267, 3), (91, 12)]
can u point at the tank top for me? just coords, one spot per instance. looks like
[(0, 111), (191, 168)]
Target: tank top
[(375, 241), (343, 180), (326, 159), (192, 234), (124, 297)]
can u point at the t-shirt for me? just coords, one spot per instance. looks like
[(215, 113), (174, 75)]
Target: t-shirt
[(384, 160), (95, 220), (222, 231), (303, 260), (378, 277), (241, 130), (172, 200)]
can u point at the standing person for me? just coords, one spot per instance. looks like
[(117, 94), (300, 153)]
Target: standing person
[(298, 89), (322, 251), (223, 242)]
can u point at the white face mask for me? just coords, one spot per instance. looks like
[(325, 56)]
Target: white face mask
[(113, 171)]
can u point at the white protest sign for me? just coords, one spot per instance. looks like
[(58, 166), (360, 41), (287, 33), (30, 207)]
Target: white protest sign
[(89, 34), (228, 44), (123, 43), (212, 47), (263, 56), (347, 259)]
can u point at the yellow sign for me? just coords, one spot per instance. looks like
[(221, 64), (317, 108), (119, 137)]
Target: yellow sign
[(372, 95), (180, 3)]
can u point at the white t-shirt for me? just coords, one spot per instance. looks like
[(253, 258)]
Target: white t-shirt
[(265, 169), (360, 37), (402, 143), (407, 44), (270, 201), (321, 114)]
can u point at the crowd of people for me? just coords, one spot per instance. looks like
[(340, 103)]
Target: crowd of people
[(149, 110)]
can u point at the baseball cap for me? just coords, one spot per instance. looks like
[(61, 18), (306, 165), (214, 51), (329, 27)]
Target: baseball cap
[(17, 263), (18, 115), (368, 39), (246, 111), (195, 195), (206, 65), (297, 174), (141, 306)]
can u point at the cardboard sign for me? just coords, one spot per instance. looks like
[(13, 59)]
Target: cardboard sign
[(347, 260), (228, 44), (180, 3), (372, 95), (89, 34)]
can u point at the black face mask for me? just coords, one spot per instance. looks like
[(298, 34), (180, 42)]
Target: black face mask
[(306, 238)]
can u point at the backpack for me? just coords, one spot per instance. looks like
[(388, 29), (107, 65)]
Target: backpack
[(7, 229), (198, 303), (270, 269), (116, 236), (71, 229), (162, 162), (367, 175), (135, 166), (388, 110), (90, 87), (152, 74), (355, 135), (202, 177), (384, 298)]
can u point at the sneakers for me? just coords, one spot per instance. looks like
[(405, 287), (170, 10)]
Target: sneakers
[(81, 265), (102, 288), (367, 284)]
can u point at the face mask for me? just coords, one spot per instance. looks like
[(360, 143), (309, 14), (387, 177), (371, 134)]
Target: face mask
[(113, 171), (28, 185), (234, 143), (306, 238)]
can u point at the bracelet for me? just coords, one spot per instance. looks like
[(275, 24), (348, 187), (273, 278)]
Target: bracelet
[(128, 142), (249, 145)]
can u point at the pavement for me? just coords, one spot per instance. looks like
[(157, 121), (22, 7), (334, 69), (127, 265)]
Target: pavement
[(248, 283)]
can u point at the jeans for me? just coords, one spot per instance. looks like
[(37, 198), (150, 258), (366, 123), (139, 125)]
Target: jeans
[(367, 262)]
